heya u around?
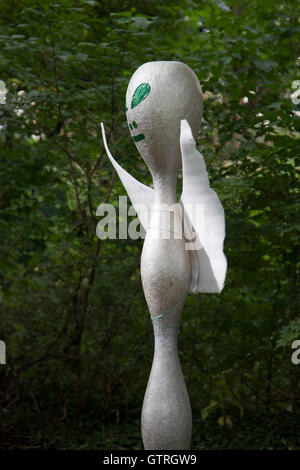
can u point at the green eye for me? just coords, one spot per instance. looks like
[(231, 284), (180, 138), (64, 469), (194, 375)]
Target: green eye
[(140, 94)]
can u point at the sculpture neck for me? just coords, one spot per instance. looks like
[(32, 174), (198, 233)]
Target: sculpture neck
[(165, 189), (166, 349), (166, 335)]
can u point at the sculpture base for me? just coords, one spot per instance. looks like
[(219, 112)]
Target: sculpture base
[(166, 414)]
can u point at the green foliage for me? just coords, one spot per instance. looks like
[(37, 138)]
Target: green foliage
[(289, 333), (73, 316)]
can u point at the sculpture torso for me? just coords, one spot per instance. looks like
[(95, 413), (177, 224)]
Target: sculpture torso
[(165, 272)]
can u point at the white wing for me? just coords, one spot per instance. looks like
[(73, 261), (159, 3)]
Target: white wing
[(204, 213), (141, 196)]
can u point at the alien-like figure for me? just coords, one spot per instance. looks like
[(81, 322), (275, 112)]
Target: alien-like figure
[(164, 106)]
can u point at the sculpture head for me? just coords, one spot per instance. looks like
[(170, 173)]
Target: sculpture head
[(158, 96)]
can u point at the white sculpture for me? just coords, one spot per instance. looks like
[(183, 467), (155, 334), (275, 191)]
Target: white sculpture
[(164, 112)]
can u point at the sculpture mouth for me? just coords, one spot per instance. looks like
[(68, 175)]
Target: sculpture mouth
[(138, 137)]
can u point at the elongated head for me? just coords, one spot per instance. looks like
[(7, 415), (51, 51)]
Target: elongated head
[(158, 96)]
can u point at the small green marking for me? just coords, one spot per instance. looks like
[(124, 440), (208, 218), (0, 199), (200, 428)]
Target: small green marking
[(138, 137), (130, 127), (134, 124), (141, 92), (170, 309)]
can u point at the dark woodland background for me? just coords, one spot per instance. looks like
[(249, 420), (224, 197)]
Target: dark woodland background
[(78, 335)]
